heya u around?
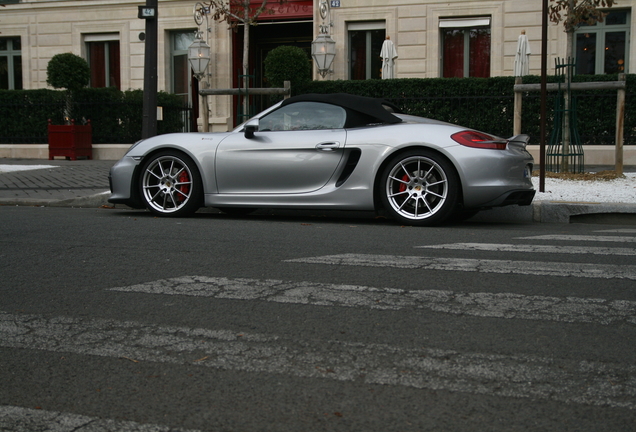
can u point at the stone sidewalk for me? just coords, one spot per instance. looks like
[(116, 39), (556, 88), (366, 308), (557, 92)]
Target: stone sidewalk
[(69, 183)]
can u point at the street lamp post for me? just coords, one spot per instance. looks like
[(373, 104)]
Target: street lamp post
[(149, 12)]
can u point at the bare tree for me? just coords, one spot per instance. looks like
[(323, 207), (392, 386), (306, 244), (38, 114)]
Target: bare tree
[(236, 12), (574, 13)]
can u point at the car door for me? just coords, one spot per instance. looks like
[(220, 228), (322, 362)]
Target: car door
[(296, 150)]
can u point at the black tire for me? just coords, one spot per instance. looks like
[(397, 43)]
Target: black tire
[(170, 185), (419, 187)]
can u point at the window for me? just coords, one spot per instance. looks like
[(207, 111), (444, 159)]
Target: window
[(365, 44), (602, 48), (304, 116), (103, 60), (181, 73), (465, 47), (10, 63)]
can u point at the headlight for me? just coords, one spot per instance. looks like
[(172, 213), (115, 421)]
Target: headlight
[(133, 146)]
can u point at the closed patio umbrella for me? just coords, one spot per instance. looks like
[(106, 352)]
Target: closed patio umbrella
[(388, 54), (522, 56)]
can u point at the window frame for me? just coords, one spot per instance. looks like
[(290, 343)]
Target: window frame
[(601, 29), (106, 39), (11, 55), (465, 26), (368, 27), (174, 52)]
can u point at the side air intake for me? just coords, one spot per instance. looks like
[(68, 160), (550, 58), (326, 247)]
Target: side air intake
[(352, 162)]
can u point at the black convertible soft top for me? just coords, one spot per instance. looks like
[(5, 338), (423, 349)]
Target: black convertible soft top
[(378, 109)]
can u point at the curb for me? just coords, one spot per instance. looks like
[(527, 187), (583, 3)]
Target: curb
[(560, 212), (564, 211), (96, 200)]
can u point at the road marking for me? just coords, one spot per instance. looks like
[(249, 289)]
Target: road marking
[(14, 418), (494, 247), (618, 239), (602, 271), (491, 305), (14, 168), (522, 376)]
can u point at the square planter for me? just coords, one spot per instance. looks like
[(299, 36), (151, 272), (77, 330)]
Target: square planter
[(70, 141)]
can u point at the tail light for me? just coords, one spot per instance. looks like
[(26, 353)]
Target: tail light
[(476, 139)]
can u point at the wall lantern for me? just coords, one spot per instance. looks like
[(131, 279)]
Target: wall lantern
[(323, 51), (199, 56)]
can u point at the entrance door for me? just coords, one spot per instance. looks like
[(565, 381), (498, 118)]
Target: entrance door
[(263, 38)]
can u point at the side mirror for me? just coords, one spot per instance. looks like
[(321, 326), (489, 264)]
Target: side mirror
[(250, 129)]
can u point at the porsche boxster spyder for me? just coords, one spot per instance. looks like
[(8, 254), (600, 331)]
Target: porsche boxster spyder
[(335, 151)]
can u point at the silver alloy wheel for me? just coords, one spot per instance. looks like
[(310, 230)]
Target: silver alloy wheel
[(417, 187), (167, 184)]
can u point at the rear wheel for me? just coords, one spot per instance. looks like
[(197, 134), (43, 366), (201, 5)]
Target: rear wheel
[(171, 185), (419, 187)]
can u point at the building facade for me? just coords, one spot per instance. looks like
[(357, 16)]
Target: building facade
[(433, 38)]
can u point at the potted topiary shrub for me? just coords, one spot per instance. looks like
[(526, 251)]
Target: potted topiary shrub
[(70, 140)]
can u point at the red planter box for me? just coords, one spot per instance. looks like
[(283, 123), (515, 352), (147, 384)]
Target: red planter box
[(71, 140)]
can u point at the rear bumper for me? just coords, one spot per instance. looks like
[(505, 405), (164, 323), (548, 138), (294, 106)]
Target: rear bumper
[(514, 197), (493, 178)]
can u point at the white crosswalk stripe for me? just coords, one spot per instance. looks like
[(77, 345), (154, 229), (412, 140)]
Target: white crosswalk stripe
[(603, 271), (560, 237), (525, 248), (525, 376), (502, 305), (17, 419)]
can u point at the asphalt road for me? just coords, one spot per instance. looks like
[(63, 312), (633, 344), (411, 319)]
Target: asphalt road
[(113, 319)]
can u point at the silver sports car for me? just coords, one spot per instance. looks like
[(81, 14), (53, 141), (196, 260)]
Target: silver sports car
[(334, 151)]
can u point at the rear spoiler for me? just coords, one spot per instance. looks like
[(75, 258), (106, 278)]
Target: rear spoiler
[(519, 140)]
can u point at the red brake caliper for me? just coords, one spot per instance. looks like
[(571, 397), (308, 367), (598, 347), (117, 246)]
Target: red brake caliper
[(402, 185), (184, 188)]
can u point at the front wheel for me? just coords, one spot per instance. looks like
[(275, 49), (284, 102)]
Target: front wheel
[(171, 185), (419, 187)]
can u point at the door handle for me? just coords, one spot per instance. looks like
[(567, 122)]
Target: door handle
[(328, 146)]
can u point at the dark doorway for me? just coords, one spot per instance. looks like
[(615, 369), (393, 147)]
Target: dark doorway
[(263, 38)]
